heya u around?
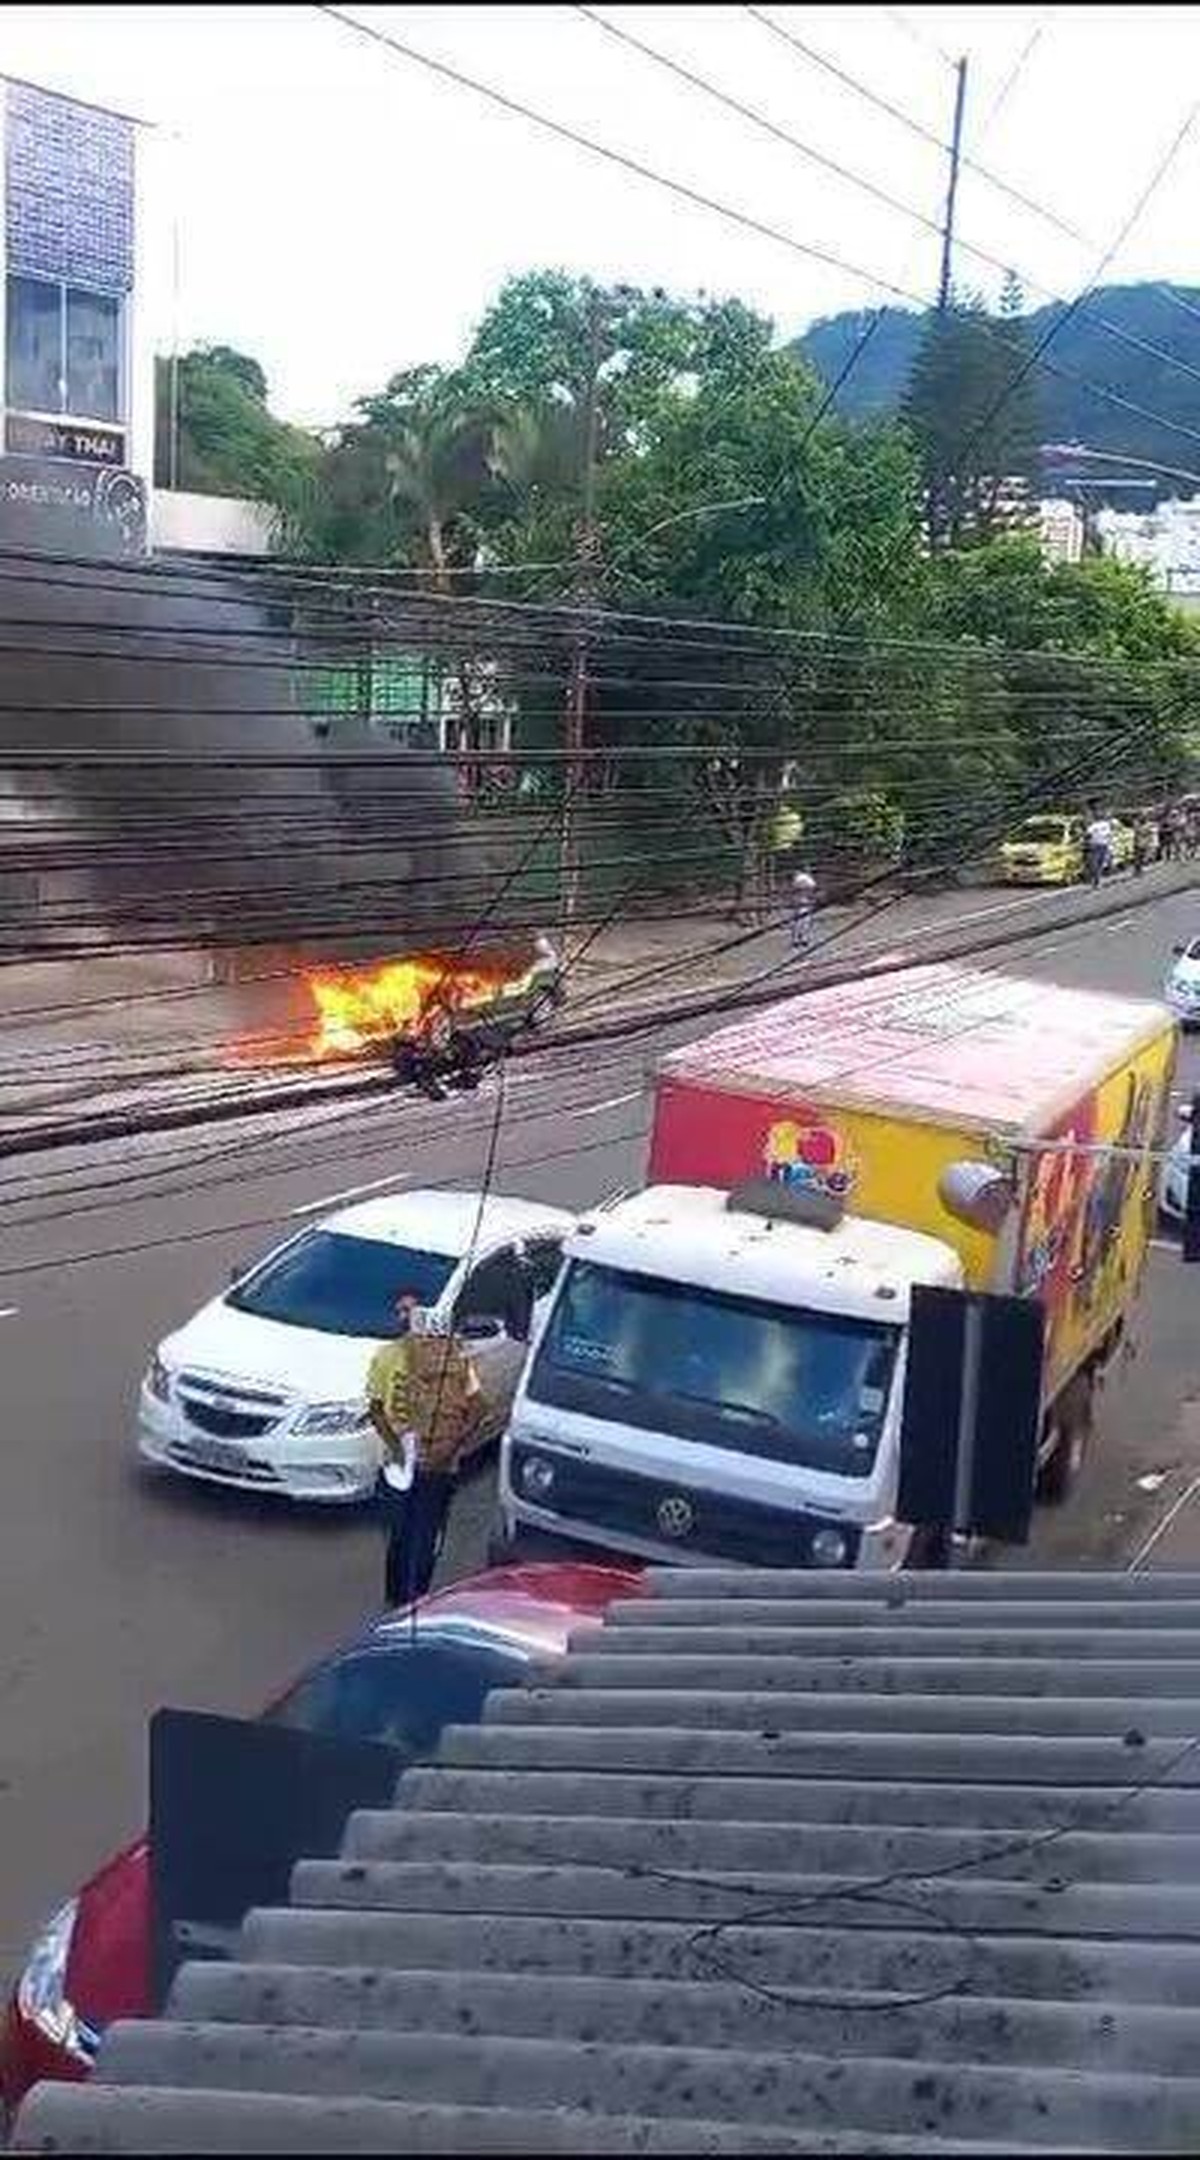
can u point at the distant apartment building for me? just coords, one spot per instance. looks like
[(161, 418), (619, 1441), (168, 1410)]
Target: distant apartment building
[(78, 405), (1061, 527), (1165, 541)]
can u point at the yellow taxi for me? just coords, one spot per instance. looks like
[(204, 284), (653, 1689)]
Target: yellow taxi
[(1046, 850)]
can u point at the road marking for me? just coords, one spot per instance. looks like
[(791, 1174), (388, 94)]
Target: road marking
[(352, 1192), (1163, 1524), (9, 1312), (1164, 1244), (611, 1102)]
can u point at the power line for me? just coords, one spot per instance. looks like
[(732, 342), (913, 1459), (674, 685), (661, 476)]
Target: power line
[(907, 120), (622, 159), (917, 37), (757, 119), (1016, 71), (626, 1027), (580, 141), (1055, 329), (504, 626), (919, 217), (140, 1246), (178, 1113)]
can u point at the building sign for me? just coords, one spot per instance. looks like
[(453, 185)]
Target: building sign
[(50, 507), (73, 439)]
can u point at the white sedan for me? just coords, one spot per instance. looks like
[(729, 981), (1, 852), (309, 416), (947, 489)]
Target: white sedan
[(1182, 987), (264, 1388), (1173, 1184)]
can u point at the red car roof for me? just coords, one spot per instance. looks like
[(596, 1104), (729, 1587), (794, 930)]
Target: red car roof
[(541, 1602), (535, 1606)]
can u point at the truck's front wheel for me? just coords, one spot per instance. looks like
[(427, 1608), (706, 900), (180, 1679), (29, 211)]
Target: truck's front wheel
[(1072, 1421)]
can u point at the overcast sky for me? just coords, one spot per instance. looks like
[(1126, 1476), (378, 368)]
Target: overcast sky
[(342, 213)]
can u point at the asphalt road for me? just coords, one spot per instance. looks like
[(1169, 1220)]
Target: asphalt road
[(120, 1594)]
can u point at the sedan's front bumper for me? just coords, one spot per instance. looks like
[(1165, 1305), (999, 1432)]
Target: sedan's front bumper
[(1034, 873), (333, 1470)]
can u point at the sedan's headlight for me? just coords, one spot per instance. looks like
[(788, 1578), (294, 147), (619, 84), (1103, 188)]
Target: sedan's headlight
[(537, 1477), (334, 1417), (41, 1989), (158, 1379)]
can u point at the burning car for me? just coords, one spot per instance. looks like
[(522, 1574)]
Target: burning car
[(427, 1012)]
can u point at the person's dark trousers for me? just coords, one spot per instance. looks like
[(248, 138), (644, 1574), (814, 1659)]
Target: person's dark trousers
[(415, 1522)]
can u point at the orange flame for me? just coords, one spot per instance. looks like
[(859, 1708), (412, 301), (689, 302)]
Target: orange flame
[(359, 1007)]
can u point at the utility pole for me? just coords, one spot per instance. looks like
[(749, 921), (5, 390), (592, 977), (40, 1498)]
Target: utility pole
[(575, 728), (960, 99)]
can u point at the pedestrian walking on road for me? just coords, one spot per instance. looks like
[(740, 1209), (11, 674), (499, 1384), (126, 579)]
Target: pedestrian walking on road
[(1097, 849), (803, 899), (1143, 845), (426, 1403)]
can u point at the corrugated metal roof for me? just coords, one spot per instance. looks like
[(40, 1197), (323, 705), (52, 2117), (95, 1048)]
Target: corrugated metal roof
[(776, 1863)]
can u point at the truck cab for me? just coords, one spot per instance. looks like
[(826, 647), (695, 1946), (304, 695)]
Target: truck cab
[(720, 1377)]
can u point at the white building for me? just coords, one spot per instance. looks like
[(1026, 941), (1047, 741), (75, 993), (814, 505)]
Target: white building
[(76, 461), (1061, 528), (1165, 541)]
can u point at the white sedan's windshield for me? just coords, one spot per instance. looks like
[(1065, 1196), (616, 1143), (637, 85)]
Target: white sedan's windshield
[(341, 1285), (761, 1379)]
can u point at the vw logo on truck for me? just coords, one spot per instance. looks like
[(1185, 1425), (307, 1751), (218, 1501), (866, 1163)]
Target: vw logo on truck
[(675, 1516)]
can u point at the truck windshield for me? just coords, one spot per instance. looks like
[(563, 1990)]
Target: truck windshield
[(798, 1386)]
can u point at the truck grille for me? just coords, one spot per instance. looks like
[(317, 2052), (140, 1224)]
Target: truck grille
[(695, 1522)]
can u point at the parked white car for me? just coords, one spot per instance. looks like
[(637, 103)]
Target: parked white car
[(1173, 1184), (1182, 987), (264, 1388)]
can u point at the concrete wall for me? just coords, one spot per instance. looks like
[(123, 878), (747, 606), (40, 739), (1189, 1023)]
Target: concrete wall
[(209, 524)]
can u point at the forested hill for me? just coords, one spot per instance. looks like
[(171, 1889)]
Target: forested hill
[(1085, 348)]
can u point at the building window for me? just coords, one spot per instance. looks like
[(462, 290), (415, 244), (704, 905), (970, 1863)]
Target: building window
[(64, 350), (34, 345)]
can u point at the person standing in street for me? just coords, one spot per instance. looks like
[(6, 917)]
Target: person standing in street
[(1097, 848), (426, 1403), (1143, 845), (803, 899)]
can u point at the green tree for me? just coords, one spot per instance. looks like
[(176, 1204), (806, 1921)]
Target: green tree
[(1094, 668), (972, 411), (404, 481), (722, 491), (436, 444), (215, 434)]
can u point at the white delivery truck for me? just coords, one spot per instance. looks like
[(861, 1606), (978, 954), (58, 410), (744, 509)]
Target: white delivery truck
[(721, 1373)]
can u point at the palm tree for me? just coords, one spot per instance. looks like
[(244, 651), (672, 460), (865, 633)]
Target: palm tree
[(438, 466), (538, 452)]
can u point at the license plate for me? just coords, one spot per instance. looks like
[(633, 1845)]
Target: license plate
[(217, 1455)]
